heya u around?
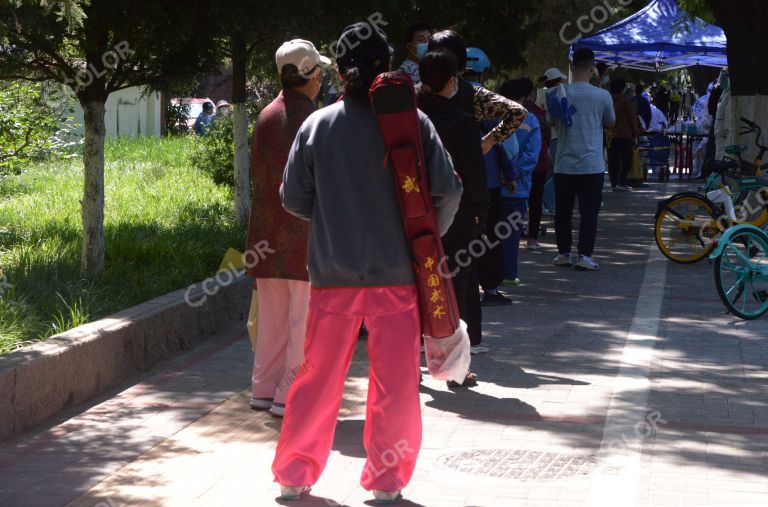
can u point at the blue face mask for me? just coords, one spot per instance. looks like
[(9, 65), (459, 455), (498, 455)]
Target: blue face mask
[(421, 50)]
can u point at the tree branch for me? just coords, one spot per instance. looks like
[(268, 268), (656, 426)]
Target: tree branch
[(16, 151)]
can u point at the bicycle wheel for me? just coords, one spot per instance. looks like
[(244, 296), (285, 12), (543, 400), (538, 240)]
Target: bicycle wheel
[(741, 274), (685, 228)]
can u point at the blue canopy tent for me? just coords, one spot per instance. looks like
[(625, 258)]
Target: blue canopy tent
[(656, 39)]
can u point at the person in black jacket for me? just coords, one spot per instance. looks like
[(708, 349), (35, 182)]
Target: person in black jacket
[(643, 106), (461, 137)]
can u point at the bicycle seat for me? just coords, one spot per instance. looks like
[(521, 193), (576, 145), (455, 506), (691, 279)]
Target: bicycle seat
[(722, 166), (736, 149)]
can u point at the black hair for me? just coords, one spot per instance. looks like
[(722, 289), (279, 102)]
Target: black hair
[(618, 85), (639, 89), (363, 53), (513, 89), (290, 77), (437, 68), (453, 42), (208, 105), (583, 58), (359, 76), (414, 29), (601, 68), (527, 86)]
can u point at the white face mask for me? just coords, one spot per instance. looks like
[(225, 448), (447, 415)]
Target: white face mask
[(455, 90)]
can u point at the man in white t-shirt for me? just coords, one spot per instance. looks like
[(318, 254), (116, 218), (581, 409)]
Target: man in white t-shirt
[(579, 163), (417, 40)]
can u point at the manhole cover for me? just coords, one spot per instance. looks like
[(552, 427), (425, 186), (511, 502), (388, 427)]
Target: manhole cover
[(520, 464)]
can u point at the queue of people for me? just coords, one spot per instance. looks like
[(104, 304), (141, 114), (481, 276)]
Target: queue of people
[(338, 255), (208, 116)]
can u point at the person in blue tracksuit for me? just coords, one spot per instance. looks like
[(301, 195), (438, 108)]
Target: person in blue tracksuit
[(517, 170)]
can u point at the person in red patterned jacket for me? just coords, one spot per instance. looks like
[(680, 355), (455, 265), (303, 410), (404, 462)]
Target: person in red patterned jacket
[(539, 176), (277, 241)]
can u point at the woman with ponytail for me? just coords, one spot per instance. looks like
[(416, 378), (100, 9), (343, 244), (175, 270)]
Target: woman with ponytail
[(360, 271)]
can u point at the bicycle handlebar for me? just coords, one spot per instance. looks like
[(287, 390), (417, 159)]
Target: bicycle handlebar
[(750, 123), (754, 127)]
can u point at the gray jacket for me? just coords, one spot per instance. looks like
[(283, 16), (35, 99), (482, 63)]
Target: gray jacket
[(335, 178)]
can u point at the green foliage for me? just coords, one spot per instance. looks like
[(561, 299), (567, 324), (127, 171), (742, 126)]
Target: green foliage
[(97, 47), (167, 226), (31, 116), (176, 118), (70, 11), (214, 154), (698, 9)]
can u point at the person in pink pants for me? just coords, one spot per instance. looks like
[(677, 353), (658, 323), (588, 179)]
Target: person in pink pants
[(277, 241), (283, 306), (360, 271), (391, 316)]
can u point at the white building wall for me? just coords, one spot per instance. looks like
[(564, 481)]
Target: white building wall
[(129, 113)]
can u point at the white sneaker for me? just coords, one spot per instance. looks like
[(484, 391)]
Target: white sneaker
[(478, 349), (277, 409), (563, 260), (292, 492), (385, 497), (260, 403), (586, 264)]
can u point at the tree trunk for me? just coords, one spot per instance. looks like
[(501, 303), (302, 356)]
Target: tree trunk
[(747, 64), (93, 193), (240, 125)]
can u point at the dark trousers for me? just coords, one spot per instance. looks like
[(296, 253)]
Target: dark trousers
[(466, 287), (511, 245), (490, 266), (619, 161), (535, 198), (589, 189)]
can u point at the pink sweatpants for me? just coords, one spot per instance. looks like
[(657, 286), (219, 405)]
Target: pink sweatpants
[(283, 306), (392, 436)]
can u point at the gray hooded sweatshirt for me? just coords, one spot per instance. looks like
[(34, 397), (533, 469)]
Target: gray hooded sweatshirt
[(336, 178)]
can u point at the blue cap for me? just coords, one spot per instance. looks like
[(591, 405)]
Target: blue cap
[(477, 60)]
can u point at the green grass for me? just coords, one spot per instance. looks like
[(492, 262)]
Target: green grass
[(166, 225)]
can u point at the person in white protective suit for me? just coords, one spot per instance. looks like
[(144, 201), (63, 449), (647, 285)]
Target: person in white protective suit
[(724, 117)]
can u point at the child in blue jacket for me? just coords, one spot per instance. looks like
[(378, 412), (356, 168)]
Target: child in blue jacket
[(517, 166)]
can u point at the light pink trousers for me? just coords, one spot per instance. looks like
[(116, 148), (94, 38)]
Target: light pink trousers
[(392, 435), (279, 351)]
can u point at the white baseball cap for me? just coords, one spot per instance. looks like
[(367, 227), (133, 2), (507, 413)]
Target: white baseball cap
[(300, 53), (554, 73)]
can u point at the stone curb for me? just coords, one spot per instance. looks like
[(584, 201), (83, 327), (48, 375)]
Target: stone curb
[(40, 380)]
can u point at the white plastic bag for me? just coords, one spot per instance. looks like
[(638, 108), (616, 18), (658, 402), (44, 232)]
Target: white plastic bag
[(448, 358)]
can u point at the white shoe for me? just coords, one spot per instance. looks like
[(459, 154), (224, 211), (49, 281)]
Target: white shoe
[(385, 497), (563, 260), (260, 403), (277, 409), (586, 264), (478, 349), (292, 492), (624, 188)]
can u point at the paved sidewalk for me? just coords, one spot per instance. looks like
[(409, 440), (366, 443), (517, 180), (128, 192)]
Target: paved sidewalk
[(590, 396)]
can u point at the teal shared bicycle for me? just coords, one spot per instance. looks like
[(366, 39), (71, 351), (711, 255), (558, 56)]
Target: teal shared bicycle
[(741, 270)]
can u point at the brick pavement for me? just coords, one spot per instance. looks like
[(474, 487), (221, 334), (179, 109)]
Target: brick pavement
[(533, 433)]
